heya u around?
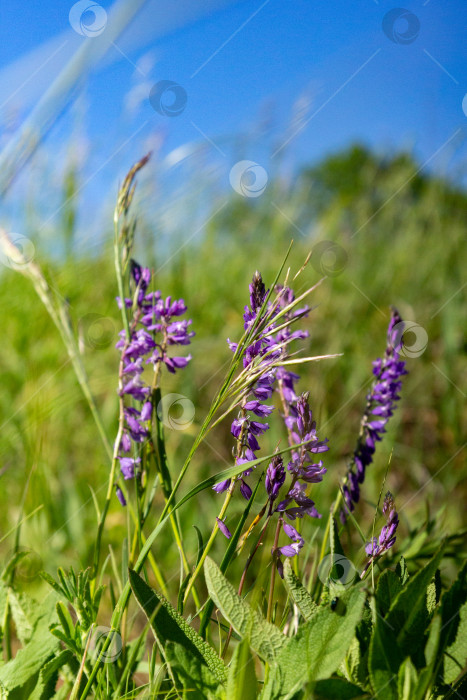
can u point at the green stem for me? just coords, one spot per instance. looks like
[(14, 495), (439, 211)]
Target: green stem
[(210, 542), (273, 573), (243, 578)]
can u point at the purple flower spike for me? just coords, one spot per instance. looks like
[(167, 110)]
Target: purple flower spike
[(223, 528), (288, 550), (153, 331), (275, 477), (378, 546), (381, 402)]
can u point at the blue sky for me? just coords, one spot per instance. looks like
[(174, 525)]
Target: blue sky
[(243, 66)]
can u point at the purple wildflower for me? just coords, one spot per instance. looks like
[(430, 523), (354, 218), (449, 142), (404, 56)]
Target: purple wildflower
[(288, 550), (223, 528), (128, 466), (152, 331), (381, 402), (120, 495), (275, 477), (258, 354), (378, 546), (303, 468)]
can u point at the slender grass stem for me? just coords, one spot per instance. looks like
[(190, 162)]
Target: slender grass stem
[(210, 541)]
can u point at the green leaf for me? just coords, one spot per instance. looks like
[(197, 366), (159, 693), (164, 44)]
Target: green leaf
[(335, 543), (299, 593), (407, 680), (20, 675), (454, 627), (241, 680), (200, 544), (264, 638), (48, 676), (12, 563), (402, 571), (168, 625), (319, 647), (384, 659), (228, 556), (401, 632), (198, 681), (408, 615), (356, 662), (433, 593), (329, 634), (387, 589), (337, 689), (26, 613)]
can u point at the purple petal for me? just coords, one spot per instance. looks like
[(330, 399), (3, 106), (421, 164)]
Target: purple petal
[(223, 528)]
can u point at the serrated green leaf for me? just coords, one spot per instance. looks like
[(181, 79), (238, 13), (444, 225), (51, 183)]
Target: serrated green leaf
[(48, 676), (25, 612), (228, 555), (455, 655), (299, 593), (353, 661), (169, 625), (20, 675), (337, 689), (329, 633), (387, 589), (241, 679), (198, 681), (319, 647), (407, 680), (264, 638), (453, 638)]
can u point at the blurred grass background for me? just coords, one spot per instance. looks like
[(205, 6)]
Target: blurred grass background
[(400, 238)]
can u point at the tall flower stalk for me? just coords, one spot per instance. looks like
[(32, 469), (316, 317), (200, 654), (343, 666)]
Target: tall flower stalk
[(265, 358), (381, 402), (151, 329)]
